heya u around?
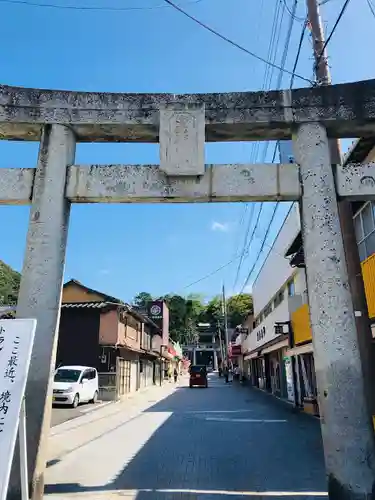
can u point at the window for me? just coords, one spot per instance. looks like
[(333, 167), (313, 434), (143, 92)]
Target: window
[(364, 224), (267, 310), (67, 375), (132, 327), (278, 299), (261, 333), (291, 288), (90, 374)]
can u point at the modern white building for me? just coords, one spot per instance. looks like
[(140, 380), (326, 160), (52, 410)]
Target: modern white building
[(277, 288), (278, 353)]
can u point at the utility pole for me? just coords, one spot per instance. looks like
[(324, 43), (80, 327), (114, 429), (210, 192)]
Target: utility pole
[(224, 310), (337, 468), (220, 342)]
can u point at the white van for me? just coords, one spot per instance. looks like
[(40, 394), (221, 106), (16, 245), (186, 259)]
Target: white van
[(75, 384)]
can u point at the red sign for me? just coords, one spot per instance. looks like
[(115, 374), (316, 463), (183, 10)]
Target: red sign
[(234, 350)]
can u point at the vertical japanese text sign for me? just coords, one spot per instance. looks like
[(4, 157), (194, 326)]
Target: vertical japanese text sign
[(16, 342)]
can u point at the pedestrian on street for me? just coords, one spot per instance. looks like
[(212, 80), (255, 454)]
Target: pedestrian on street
[(226, 374), (175, 375)]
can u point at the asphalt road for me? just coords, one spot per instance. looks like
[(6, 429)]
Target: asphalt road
[(61, 414), (224, 442)]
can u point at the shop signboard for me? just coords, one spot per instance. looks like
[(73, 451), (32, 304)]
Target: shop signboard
[(289, 378), (155, 312), (16, 342), (235, 350), (159, 313)]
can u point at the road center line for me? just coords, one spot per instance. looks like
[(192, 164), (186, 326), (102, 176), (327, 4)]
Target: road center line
[(247, 420)]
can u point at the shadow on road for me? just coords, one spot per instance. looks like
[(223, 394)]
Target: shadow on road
[(210, 448)]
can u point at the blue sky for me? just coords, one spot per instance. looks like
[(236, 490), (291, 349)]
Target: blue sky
[(124, 249)]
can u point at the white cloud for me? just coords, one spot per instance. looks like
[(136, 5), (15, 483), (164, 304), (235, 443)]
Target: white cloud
[(219, 226)]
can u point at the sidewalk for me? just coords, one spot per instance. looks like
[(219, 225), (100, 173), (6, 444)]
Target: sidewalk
[(72, 435)]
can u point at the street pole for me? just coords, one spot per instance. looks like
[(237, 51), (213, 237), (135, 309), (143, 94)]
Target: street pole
[(224, 307), (345, 213), (221, 343)]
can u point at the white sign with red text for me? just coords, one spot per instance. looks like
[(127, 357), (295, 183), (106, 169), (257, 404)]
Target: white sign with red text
[(16, 342)]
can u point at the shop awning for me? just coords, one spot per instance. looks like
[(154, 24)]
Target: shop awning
[(300, 349), (252, 355), (273, 345)]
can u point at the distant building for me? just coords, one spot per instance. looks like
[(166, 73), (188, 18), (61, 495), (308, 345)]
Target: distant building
[(101, 331), (206, 350)]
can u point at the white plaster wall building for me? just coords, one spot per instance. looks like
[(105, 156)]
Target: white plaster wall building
[(276, 285)]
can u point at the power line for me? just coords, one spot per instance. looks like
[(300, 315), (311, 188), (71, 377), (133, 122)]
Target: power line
[(279, 79), (271, 246), (231, 42), (256, 31), (282, 62), (89, 7), (274, 156), (292, 14), (371, 7), (267, 79), (271, 55), (213, 272), (247, 250), (244, 246), (261, 248), (343, 9), (302, 36), (267, 82)]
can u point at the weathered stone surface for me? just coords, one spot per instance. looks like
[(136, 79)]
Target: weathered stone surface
[(40, 292), (182, 140), (356, 181), (147, 183), (16, 185), (346, 110), (346, 427)]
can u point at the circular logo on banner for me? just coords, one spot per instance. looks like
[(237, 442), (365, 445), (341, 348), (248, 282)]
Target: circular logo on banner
[(155, 310)]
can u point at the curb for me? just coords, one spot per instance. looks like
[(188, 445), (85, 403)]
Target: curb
[(57, 429), (130, 399)]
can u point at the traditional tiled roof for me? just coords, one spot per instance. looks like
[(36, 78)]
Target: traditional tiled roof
[(85, 305), (107, 298)]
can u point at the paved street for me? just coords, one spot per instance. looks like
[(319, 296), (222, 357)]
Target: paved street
[(179, 443)]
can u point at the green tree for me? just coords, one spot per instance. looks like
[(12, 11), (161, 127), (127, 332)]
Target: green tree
[(177, 316), (190, 334), (141, 299), (186, 312), (238, 308), (213, 311), (9, 285)]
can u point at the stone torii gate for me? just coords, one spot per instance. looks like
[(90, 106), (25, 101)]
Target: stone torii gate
[(182, 124)]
